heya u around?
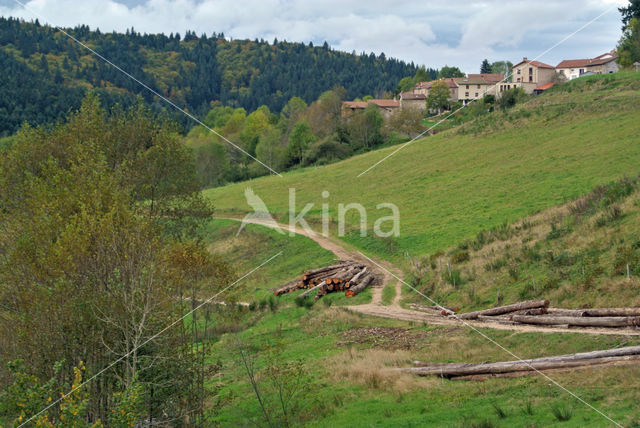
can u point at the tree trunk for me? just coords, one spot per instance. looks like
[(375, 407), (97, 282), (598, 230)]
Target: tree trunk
[(529, 304), (360, 287), (546, 363), (612, 312), (578, 321)]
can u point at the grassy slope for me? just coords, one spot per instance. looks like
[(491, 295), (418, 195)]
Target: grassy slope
[(347, 384), (574, 254), (256, 244), (505, 166)]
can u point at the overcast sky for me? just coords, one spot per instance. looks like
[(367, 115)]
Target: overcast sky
[(434, 33)]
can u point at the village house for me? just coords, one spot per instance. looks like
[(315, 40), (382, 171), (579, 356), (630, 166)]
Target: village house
[(412, 100), (425, 87), (386, 107), (529, 75), (603, 64), (476, 86)]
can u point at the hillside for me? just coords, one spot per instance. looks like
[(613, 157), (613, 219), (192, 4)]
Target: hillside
[(496, 169), (575, 254), (193, 71)]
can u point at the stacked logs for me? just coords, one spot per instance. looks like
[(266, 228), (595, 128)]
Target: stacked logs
[(537, 312), (348, 276)]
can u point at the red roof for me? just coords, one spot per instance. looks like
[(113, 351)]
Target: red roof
[(385, 103), (599, 60), (534, 63), (488, 77), (427, 85), (355, 104), (544, 87), (365, 104), (412, 96)]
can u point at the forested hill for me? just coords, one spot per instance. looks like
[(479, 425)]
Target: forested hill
[(45, 73)]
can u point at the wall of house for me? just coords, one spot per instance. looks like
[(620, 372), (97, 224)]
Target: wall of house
[(413, 104)]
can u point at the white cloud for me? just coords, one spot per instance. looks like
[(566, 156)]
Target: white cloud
[(453, 32)]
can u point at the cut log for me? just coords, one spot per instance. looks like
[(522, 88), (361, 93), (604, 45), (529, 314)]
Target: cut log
[(578, 321), (435, 310), (498, 319), (356, 289), (600, 362), (529, 304), (311, 290), (357, 277), (561, 361), (612, 312), (288, 287), (534, 311), (565, 312)]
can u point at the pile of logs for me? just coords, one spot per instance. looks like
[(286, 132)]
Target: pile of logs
[(537, 312), (526, 367), (348, 276)]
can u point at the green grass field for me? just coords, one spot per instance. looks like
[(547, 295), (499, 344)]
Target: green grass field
[(486, 176), (450, 186), (346, 382)]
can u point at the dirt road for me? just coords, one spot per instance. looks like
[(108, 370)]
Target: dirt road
[(389, 274)]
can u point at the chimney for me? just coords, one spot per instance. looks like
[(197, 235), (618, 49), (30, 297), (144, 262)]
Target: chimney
[(525, 58)]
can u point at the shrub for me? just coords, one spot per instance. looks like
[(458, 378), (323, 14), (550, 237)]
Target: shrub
[(453, 277), (496, 265), (304, 302), (562, 413), (273, 303), (557, 232), (610, 215), (460, 256)]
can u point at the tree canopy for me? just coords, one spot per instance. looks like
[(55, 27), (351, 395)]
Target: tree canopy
[(46, 74)]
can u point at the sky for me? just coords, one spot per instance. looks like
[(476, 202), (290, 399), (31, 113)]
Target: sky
[(432, 32)]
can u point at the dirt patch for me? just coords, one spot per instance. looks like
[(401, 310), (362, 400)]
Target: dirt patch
[(385, 337)]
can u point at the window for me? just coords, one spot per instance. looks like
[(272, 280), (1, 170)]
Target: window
[(530, 78), (466, 94), (530, 70), (476, 95), (478, 86), (518, 79), (467, 86), (518, 71)]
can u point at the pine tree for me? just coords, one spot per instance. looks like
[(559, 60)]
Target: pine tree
[(485, 67)]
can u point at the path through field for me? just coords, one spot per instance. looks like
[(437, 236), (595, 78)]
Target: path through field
[(389, 272)]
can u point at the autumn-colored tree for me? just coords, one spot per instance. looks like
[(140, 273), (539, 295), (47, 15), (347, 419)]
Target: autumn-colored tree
[(84, 277)]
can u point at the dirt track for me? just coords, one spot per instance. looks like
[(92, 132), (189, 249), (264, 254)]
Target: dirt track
[(389, 273)]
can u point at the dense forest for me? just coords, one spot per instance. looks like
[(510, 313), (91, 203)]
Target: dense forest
[(191, 70)]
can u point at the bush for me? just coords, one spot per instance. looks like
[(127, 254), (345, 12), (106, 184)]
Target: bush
[(511, 97), (562, 413), (273, 304), (460, 256), (610, 215), (453, 277), (304, 302), (495, 265)]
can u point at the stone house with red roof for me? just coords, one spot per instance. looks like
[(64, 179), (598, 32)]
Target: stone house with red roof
[(603, 64), (386, 107)]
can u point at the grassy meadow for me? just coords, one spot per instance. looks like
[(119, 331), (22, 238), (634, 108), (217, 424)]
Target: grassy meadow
[(497, 169), (510, 203)]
